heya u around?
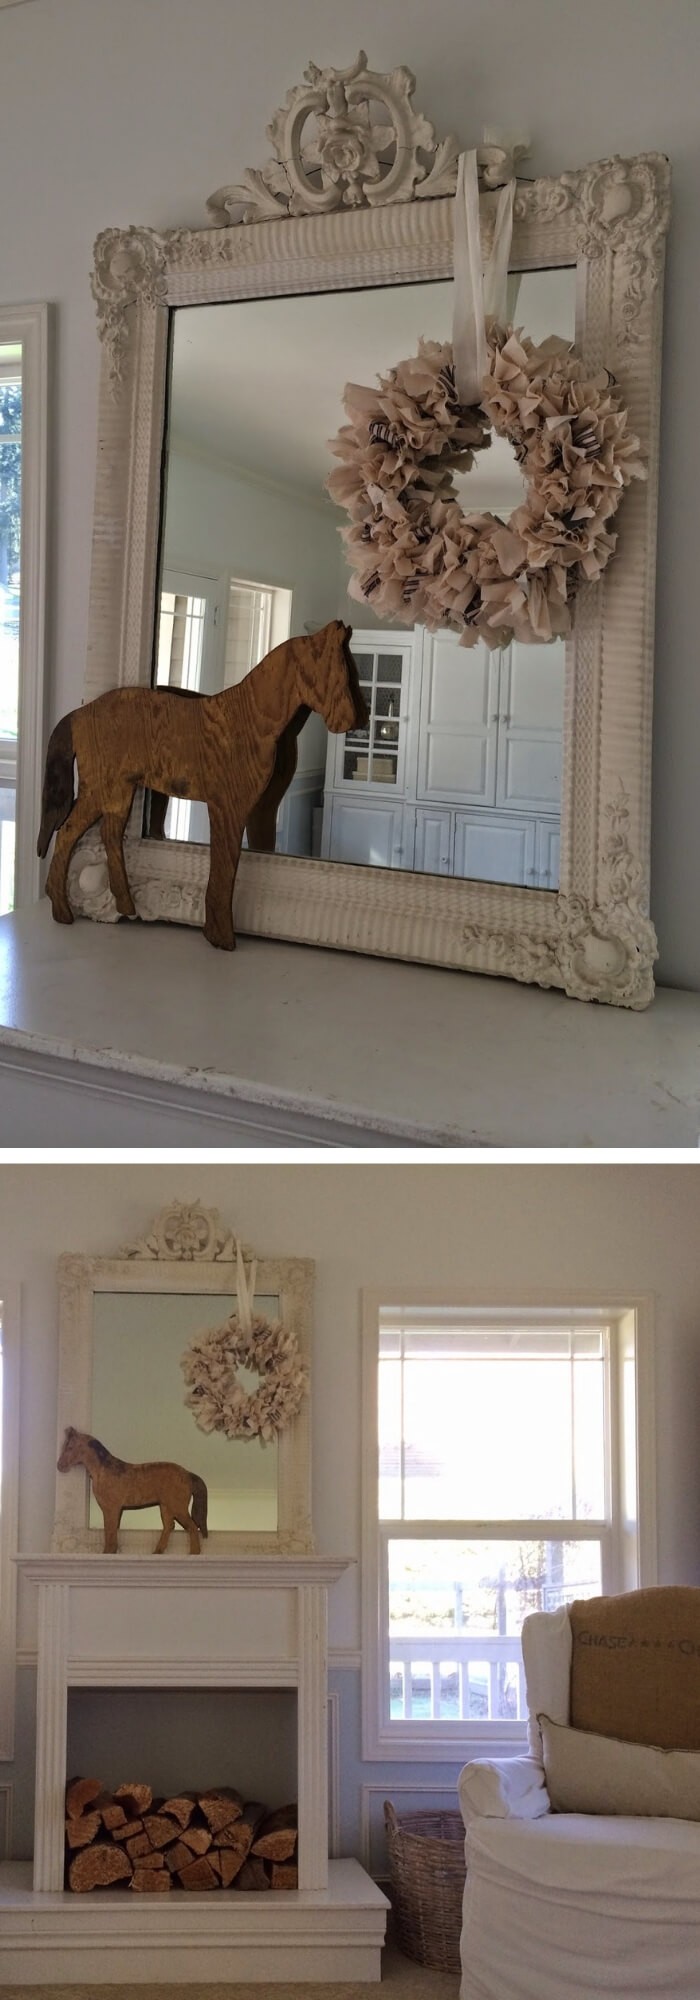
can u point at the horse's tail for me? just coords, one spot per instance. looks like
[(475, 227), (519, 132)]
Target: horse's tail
[(199, 1504), (57, 795)]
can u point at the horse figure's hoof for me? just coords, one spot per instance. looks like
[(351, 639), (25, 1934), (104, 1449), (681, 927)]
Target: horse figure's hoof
[(221, 939), (62, 913)]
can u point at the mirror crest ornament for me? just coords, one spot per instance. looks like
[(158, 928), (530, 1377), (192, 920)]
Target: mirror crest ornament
[(186, 1250), (355, 204)]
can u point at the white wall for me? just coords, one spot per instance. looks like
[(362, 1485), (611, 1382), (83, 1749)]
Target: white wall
[(222, 520), (625, 1229), (116, 111)]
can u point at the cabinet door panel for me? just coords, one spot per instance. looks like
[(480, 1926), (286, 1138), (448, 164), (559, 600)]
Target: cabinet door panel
[(366, 832), (489, 849), (548, 848), (459, 720), (530, 731), (433, 841)]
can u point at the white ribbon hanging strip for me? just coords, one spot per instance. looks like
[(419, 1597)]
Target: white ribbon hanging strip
[(245, 1289), (478, 291)]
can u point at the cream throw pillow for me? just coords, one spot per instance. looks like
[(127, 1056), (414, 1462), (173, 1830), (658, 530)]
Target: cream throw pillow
[(598, 1774)]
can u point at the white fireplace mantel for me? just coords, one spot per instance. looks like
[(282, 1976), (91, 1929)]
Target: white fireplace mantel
[(172, 1621)]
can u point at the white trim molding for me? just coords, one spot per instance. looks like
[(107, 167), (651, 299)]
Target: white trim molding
[(631, 1534), (332, 224), (10, 1417), (30, 325)]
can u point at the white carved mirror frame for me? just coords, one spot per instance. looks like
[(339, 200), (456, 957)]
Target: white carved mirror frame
[(594, 936), (187, 1249)]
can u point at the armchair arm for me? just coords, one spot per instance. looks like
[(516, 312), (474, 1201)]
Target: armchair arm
[(503, 1788)]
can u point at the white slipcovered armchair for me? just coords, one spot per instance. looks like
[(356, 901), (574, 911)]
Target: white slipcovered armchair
[(562, 1905)]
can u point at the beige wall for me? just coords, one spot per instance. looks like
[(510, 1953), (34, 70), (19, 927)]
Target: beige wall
[(628, 1229), (620, 1229), (118, 111)]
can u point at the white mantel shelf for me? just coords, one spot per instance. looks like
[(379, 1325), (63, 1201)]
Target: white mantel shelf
[(138, 1034), (204, 1572), (159, 1621)]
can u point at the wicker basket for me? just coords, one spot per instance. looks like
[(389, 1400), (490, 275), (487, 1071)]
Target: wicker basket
[(428, 1872)]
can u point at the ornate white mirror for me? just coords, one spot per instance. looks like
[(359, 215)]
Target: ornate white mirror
[(494, 814), (127, 1325)]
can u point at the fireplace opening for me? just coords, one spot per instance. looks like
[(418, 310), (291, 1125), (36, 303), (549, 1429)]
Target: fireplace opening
[(181, 1788)]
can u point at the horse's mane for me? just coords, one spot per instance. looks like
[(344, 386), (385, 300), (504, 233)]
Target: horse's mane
[(100, 1450)]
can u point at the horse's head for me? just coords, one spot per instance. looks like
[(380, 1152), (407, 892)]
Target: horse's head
[(328, 678), (70, 1450)]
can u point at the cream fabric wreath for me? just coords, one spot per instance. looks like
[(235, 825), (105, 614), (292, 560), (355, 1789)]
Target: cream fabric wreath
[(417, 555), (216, 1396)]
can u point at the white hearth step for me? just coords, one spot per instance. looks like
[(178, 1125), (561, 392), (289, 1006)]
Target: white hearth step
[(105, 1939)]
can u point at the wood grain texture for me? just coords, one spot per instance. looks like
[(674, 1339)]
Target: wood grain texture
[(235, 750), (118, 1485)]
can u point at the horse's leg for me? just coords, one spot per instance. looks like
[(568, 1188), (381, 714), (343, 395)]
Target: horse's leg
[(226, 836), (261, 824), (111, 1516), (112, 829), (159, 802), (83, 814), (168, 1520), (184, 1520)]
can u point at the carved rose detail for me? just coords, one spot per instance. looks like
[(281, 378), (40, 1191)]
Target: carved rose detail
[(348, 161), (596, 952), (129, 269)]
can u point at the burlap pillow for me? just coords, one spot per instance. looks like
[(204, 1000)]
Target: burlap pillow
[(635, 1667)]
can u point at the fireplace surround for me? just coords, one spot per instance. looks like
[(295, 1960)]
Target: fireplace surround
[(224, 1622)]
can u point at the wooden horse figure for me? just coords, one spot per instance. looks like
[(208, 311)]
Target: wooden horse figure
[(117, 1485), (220, 748), (261, 824)]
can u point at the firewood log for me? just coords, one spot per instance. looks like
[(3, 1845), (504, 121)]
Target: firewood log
[(80, 1792), (230, 1865), (111, 1815), (241, 1835), (128, 1831), (177, 1857), (180, 1807), (81, 1832), (151, 1881), (277, 1837), (284, 1875), (253, 1874), (98, 1866), (136, 1799), (198, 1875), (197, 1838), (138, 1846), (160, 1829), (221, 1807)]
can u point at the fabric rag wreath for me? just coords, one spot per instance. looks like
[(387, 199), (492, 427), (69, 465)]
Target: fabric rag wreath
[(211, 1365), (417, 555)]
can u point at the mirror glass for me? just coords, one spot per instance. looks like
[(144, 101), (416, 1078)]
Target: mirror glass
[(138, 1405), (459, 772)]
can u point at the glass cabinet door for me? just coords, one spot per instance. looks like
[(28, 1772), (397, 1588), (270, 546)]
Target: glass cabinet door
[(374, 756)]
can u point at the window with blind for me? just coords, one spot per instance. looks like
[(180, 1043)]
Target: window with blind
[(24, 334), (501, 1478)]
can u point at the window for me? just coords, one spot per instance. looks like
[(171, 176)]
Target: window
[(23, 444), (259, 617), (501, 1478)]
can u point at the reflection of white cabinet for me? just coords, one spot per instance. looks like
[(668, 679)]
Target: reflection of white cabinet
[(367, 830), (469, 742)]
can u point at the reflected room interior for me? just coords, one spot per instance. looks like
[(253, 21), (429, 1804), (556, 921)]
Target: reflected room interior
[(459, 770), (138, 1406)]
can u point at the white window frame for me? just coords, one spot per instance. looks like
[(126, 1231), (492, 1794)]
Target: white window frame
[(30, 325), (631, 1554), (9, 1420)]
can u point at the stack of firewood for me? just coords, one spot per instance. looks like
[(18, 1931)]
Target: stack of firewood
[(195, 1840)]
